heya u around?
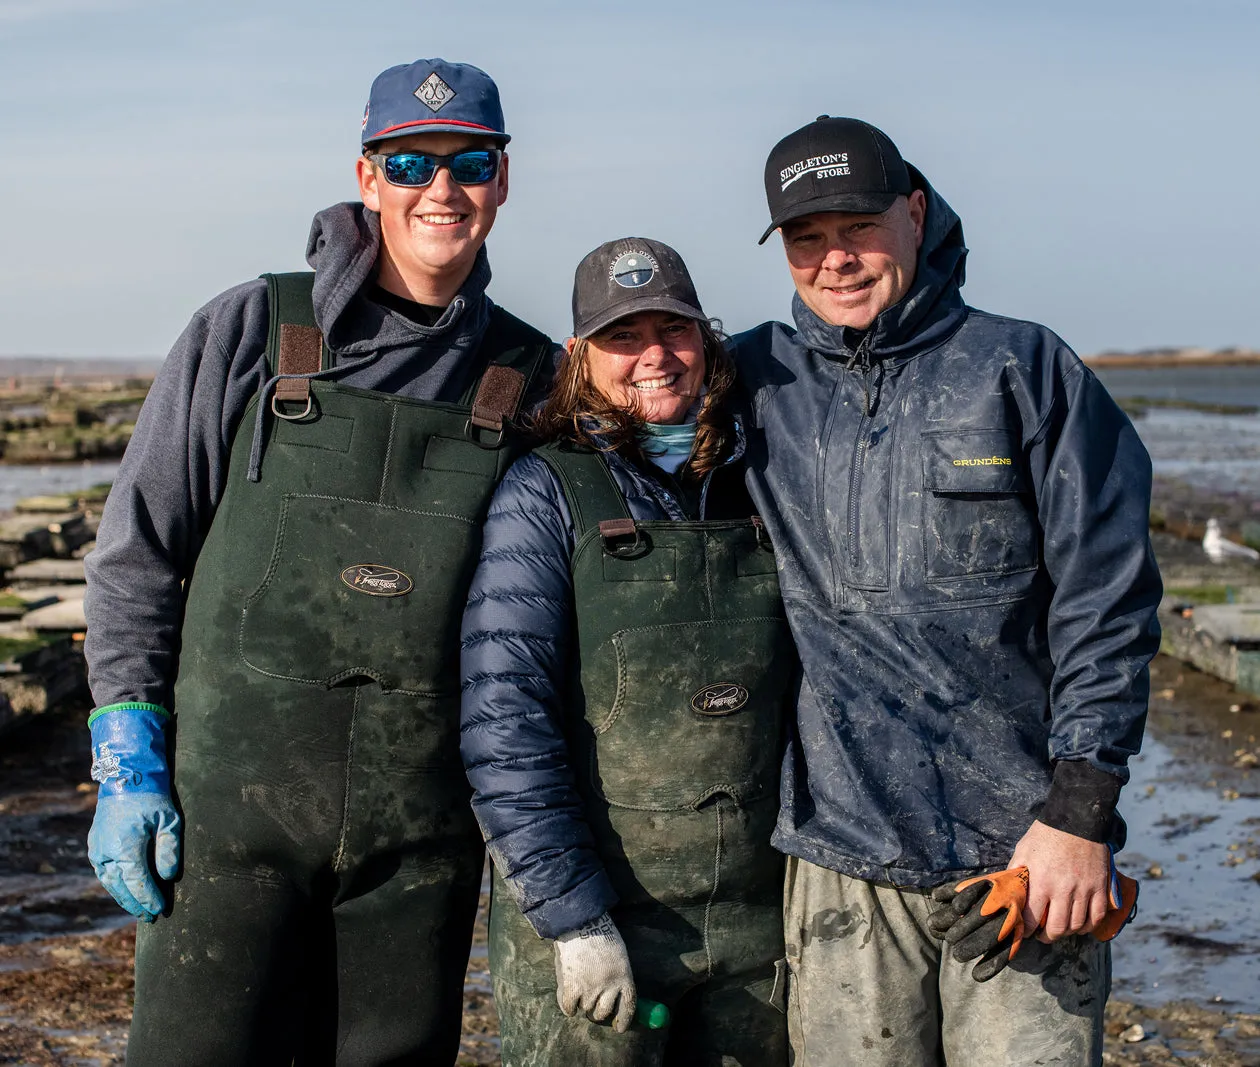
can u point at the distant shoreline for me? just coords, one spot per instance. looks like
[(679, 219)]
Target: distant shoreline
[(75, 369), (1176, 359)]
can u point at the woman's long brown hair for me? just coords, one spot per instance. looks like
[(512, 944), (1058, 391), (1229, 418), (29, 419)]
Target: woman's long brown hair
[(578, 412)]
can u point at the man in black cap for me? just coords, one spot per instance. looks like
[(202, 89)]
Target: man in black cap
[(960, 515), (279, 579)]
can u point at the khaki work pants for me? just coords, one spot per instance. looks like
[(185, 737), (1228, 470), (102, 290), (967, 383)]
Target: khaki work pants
[(869, 985)]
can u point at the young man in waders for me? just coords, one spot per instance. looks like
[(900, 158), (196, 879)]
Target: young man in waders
[(274, 609), (959, 512)]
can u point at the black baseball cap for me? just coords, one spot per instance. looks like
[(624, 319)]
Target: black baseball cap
[(833, 165), (629, 275)]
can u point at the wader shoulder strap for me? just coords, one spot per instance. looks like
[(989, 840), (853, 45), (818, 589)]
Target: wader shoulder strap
[(513, 351), (589, 489), (294, 343)]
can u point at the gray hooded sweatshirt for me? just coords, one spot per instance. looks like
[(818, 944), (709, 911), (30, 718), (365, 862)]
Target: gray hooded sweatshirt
[(175, 469)]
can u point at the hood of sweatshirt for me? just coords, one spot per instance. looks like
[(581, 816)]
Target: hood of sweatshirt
[(343, 247)]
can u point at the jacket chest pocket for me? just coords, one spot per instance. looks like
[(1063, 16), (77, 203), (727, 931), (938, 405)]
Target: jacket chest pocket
[(979, 511)]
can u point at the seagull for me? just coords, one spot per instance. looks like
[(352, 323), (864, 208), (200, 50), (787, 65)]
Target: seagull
[(1218, 549)]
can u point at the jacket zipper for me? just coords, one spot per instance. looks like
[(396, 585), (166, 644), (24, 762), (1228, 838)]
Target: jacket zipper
[(859, 460)]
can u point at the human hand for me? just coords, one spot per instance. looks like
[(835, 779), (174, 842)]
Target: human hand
[(593, 974), (1069, 881)]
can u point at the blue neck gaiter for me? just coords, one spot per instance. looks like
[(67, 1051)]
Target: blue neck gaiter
[(668, 446)]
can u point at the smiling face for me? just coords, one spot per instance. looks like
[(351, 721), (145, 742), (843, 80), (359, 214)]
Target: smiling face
[(848, 268), (430, 235), (651, 363)]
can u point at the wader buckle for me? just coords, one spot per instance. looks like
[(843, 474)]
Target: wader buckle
[(498, 397), (290, 418), (762, 534), (474, 435), (612, 529), (301, 349)]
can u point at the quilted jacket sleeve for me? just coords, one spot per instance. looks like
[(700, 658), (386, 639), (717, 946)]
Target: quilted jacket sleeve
[(516, 644)]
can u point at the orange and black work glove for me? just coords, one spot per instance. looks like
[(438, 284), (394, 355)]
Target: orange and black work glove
[(1121, 903), (983, 917)]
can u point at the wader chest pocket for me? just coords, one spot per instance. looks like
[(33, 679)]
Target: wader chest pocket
[(657, 564), (305, 622), (653, 750), (460, 457), (331, 432), (979, 510)]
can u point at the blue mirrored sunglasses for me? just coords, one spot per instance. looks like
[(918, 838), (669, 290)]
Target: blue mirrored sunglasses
[(414, 169)]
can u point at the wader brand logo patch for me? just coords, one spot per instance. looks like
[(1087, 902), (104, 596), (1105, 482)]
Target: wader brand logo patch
[(632, 269), (434, 93), (720, 698), (375, 580), (984, 461), (834, 165)]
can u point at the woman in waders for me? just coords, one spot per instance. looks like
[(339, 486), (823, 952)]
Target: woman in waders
[(626, 665)]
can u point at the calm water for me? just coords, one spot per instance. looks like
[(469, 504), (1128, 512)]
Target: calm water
[(1201, 895), (1219, 452), (1207, 385), (19, 482)]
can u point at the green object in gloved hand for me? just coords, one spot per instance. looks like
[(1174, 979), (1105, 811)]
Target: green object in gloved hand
[(651, 1013)]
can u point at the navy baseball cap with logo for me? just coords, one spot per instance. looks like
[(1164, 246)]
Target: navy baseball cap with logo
[(833, 165), (433, 96), (627, 276)]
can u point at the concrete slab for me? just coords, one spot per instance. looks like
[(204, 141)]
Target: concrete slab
[(51, 502), (36, 596), (26, 537), (67, 615), (1230, 624), (46, 571)]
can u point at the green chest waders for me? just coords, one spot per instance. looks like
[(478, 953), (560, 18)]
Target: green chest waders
[(332, 863), (675, 726)]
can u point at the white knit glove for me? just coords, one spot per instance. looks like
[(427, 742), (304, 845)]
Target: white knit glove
[(593, 974)]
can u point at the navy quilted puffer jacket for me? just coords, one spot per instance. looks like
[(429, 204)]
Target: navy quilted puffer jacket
[(517, 640)]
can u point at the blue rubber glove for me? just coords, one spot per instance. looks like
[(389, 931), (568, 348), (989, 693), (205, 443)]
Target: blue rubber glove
[(133, 806)]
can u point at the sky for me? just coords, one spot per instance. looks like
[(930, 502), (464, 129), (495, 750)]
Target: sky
[(1100, 154)]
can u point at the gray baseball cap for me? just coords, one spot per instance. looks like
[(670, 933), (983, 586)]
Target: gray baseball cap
[(629, 275)]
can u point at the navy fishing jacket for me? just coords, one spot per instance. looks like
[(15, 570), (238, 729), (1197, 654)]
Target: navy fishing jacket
[(517, 641), (960, 512)]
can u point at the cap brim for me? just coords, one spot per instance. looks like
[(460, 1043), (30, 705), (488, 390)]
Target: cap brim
[(414, 129), (851, 203), (632, 306)]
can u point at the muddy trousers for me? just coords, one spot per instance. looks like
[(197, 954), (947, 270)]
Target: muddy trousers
[(701, 916), (869, 984), (721, 1023), (325, 909)]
